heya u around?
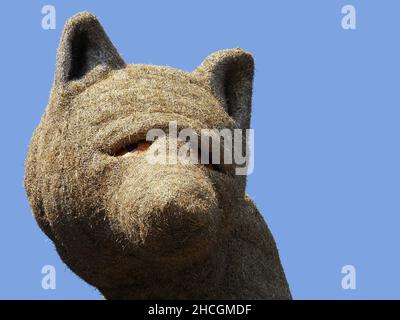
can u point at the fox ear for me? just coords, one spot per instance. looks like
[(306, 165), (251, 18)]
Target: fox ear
[(83, 46), (229, 74)]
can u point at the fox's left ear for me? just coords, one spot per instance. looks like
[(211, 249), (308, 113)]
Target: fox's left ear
[(83, 46), (229, 74)]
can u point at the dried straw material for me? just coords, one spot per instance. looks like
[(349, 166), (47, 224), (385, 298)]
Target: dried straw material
[(136, 230)]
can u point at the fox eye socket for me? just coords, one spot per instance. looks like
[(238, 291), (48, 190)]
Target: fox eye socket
[(133, 148)]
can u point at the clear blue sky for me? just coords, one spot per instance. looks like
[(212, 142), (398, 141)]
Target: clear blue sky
[(326, 113)]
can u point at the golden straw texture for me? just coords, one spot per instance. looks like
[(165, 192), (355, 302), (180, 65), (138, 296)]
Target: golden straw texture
[(132, 229)]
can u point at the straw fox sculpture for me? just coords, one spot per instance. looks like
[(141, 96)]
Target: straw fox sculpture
[(132, 229)]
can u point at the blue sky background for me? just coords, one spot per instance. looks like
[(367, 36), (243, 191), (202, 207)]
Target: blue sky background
[(326, 113)]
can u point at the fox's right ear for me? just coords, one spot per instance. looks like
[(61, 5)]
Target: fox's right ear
[(84, 45)]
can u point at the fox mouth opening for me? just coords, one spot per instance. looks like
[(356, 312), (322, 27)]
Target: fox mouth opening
[(131, 149)]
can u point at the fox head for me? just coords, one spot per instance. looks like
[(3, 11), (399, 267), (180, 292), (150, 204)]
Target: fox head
[(112, 215)]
